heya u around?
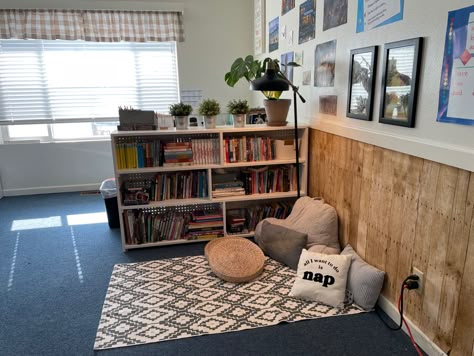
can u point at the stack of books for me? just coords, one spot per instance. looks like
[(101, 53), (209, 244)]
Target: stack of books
[(235, 219), (228, 189), (205, 224), (178, 154)]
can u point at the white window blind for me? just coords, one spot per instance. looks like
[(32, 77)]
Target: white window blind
[(45, 81)]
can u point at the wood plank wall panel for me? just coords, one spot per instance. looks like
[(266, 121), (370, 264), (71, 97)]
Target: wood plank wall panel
[(399, 212)]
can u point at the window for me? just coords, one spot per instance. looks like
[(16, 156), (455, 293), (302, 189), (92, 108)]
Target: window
[(63, 90)]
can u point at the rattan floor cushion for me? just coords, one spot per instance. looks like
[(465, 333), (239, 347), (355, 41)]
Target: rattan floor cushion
[(235, 259)]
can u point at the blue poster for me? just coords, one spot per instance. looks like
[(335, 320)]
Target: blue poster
[(273, 33), (456, 92), (307, 29), (376, 13)]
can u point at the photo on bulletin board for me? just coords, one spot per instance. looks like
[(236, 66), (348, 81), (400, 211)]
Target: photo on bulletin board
[(287, 5), (273, 34), (307, 21), (376, 13), (457, 74), (328, 104), (259, 26), (335, 13), (401, 65), (287, 70), (325, 64)]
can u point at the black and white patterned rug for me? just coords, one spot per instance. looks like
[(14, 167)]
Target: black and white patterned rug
[(180, 297)]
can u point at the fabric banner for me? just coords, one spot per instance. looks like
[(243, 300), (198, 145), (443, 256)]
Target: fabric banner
[(91, 25)]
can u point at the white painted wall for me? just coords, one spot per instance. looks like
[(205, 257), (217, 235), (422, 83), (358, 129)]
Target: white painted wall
[(442, 142), (216, 33)]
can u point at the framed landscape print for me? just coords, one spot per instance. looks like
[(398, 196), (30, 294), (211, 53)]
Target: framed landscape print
[(400, 82), (360, 93)]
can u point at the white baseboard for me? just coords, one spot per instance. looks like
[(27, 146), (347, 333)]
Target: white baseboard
[(421, 339), (53, 189)]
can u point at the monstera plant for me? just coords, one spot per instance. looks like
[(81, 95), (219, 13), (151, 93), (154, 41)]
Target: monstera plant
[(250, 69)]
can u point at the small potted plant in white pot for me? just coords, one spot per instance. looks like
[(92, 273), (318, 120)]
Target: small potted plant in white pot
[(239, 110), (181, 112), (209, 108)]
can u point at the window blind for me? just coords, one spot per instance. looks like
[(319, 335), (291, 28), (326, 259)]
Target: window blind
[(70, 81)]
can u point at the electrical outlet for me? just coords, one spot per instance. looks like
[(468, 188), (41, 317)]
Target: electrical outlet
[(421, 280)]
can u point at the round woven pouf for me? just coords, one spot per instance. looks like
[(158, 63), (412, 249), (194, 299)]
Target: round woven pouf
[(235, 259)]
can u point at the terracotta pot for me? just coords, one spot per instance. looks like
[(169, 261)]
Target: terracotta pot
[(277, 111)]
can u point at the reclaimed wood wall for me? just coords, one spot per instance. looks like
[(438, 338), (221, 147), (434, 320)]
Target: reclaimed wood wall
[(399, 211)]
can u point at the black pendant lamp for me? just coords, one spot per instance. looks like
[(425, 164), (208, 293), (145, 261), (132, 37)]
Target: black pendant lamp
[(275, 80), (270, 81)]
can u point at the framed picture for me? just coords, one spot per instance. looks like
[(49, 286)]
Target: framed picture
[(400, 81), (362, 65), (259, 26)]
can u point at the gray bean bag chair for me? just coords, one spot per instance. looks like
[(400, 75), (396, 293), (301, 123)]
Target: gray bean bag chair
[(312, 217)]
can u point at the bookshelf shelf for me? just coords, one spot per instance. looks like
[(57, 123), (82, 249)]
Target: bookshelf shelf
[(165, 203), (168, 169), (256, 197), (170, 204), (273, 162)]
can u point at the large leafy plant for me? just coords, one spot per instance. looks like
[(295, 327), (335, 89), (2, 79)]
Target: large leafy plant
[(250, 68)]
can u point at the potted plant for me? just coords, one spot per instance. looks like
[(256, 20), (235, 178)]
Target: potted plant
[(181, 111), (250, 69), (209, 108), (239, 110)]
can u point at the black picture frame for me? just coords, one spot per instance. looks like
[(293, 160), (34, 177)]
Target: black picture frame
[(401, 63), (360, 92)]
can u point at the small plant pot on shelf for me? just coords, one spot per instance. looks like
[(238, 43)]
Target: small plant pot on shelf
[(181, 122), (210, 122), (239, 120)]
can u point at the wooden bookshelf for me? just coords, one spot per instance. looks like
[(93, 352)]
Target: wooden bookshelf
[(139, 159)]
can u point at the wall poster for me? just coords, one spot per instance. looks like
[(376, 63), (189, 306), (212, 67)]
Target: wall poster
[(307, 23), (273, 33), (375, 13), (456, 94), (335, 13), (287, 70), (325, 64), (287, 5)]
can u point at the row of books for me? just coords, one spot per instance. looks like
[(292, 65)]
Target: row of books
[(138, 154), (244, 220), (134, 153), (166, 186), (148, 227), (269, 179), (248, 149)]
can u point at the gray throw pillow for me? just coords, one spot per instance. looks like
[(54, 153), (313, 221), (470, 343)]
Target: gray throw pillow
[(282, 244), (364, 282)]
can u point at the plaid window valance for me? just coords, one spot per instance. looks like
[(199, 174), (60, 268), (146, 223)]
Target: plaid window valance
[(91, 25)]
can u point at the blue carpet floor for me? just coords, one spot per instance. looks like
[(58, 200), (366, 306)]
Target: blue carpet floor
[(56, 257)]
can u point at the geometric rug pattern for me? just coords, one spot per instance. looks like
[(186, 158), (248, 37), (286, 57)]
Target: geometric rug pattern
[(180, 297)]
